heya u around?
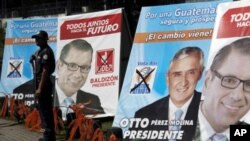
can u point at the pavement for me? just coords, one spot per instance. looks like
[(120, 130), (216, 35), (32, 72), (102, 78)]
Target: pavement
[(12, 131)]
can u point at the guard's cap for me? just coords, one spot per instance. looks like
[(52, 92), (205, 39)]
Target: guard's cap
[(41, 34)]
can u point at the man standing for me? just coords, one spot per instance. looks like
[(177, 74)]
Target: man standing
[(184, 72), (226, 91), (72, 70), (43, 63)]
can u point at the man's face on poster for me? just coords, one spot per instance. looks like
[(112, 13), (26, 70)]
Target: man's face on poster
[(71, 80), (226, 99), (182, 78)]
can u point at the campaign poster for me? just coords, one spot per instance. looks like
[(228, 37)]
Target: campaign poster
[(89, 77), (233, 24), (162, 31), (17, 73), (2, 91)]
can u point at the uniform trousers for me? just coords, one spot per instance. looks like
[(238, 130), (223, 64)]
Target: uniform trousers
[(45, 107)]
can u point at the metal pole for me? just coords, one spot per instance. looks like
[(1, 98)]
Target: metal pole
[(5, 9), (2, 9)]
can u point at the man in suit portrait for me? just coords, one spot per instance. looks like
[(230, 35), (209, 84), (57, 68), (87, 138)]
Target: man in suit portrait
[(72, 70), (226, 92), (185, 70)]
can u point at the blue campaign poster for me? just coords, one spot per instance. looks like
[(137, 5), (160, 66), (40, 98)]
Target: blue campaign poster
[(161, 32), (19, 46)]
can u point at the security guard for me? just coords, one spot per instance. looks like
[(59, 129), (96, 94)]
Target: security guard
[(43, 63)]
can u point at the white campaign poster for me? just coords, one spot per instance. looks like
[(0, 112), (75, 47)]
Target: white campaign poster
[(232, 23), (102, 30)]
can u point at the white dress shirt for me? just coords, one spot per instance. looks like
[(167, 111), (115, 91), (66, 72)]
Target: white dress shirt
[(206, 131), (61, 96), (172, 108)]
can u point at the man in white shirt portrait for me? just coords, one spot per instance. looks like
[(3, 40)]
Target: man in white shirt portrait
[(226, 92), (72, 70)]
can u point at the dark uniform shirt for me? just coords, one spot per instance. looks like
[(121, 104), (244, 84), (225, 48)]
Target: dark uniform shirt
[(44, 57)]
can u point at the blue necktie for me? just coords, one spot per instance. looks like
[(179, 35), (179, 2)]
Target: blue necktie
[(219, 137), (178, 114), (67, 102)]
